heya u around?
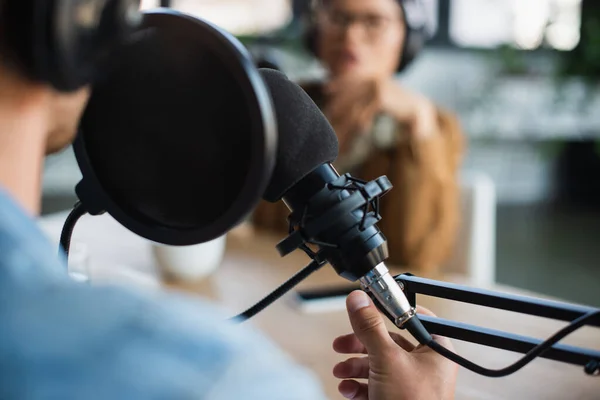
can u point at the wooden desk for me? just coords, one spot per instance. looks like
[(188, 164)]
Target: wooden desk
[(252, 268)]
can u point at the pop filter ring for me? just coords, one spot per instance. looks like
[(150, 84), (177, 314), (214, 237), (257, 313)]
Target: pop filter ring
[(96, 200)]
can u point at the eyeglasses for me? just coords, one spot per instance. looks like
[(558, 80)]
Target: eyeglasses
[(373, 25)]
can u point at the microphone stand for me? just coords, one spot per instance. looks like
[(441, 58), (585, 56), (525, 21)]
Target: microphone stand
[(412, 285)]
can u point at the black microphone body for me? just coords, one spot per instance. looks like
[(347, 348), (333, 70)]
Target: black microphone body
[(352, 244), (333, 212)]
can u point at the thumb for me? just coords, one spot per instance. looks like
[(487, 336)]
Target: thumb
[(367, 323)]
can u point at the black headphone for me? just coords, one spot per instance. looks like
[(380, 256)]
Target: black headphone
[(63, 43), (415, 21)]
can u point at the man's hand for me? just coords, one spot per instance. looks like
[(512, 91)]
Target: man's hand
[(394, 367)]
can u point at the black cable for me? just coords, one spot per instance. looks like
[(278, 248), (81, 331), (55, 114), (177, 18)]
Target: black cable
[(79, 211), (280, 291), (67, 231), (530, 356)]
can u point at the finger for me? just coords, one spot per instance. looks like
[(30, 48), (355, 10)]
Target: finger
[(425, 311), (402, 341), (368, 324), (349, 344), (354, 390), (355, 368)]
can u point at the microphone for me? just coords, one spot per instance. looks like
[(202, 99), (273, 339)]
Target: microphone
[(337, 214)]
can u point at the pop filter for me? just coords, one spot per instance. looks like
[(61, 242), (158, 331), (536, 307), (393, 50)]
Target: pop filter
[(178, 140)]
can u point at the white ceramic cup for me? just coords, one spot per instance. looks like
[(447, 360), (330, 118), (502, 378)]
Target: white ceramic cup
[(190, 263)]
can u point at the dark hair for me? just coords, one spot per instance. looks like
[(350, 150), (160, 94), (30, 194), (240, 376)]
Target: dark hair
[(15, 41)]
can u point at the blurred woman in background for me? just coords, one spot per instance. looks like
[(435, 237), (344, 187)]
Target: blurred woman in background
[(384, 129)]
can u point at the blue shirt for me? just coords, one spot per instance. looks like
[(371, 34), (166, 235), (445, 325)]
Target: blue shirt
[(63, 340)]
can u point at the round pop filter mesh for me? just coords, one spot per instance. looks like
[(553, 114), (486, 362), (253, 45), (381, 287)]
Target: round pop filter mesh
[(169, 130)]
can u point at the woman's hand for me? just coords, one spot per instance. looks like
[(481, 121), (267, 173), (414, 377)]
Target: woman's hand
[(394, 367), (414, 110), (352, 106)]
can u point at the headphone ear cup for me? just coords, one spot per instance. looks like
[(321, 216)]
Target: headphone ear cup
[(58, 45), (415, 20), (310, 32), (413, 44), (94, 28), (311, 37), (74, 41)]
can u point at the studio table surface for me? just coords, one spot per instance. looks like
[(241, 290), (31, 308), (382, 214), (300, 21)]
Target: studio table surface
[(252, 268)]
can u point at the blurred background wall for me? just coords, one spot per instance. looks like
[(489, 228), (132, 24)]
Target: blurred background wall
[(523, 77)]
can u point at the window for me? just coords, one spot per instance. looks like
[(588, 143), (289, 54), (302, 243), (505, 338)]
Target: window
[(432, 10), (240, 17), (149, 4), (525, 24)]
